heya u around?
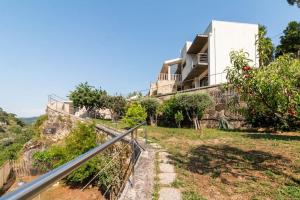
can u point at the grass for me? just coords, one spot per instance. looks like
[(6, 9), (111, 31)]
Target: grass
[(219, 164)]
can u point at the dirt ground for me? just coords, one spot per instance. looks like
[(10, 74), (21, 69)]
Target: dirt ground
[(59, 191)]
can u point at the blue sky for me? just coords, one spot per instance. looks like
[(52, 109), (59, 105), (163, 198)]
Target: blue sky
[(51, 46)]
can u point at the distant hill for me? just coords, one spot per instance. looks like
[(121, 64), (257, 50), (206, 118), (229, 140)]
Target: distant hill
[(14, 133), (28, 120)]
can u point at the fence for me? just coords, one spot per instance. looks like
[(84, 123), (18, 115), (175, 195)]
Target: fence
[(118, 178), (24, 168), (5, 172), (59, 104)]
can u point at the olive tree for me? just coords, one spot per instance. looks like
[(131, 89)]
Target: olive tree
[(194, 105), (151, 106)]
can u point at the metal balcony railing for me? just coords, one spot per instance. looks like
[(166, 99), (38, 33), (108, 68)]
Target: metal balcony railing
[(34, 188), (169, 77)]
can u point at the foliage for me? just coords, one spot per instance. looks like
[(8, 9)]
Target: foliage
[(290, 41), (151, 106), (191, 106), (265, 47), (179, 118), (88, 97), (14, 134), (167, 112), (294, 2), (81, 139), (271, 93), (135, 114), (116, 106), (194, 105)]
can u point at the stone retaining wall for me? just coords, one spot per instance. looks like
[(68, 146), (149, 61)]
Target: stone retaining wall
[(219, 110)]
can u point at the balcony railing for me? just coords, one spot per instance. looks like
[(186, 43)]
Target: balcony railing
[(169, 77), (202, 58)]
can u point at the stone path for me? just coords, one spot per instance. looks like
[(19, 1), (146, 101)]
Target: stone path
[(166, 176), (140, 186)]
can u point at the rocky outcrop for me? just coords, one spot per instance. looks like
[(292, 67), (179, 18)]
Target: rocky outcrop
[(58, 124)]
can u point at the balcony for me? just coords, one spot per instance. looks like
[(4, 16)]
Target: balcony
[(202, 59), (169, 77)]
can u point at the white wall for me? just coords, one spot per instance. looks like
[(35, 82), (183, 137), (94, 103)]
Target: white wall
[(225, 37)]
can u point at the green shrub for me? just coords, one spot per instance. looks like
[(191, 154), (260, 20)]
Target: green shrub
[(167, 113), (135, 114), (151, 107), (191, 107), (81, 139)]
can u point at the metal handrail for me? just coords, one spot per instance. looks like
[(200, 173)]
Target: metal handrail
[(35, 187)]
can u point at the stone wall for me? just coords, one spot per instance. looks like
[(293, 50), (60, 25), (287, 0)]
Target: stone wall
[(58, 124), (219, 110)]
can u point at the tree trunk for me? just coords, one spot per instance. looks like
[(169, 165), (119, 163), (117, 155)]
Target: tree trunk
[(196, 123), (152, 121)]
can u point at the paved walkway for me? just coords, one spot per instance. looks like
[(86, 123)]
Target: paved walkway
[(166, 176), (140, 186)]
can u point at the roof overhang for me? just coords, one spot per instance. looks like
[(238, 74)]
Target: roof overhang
[(167, 63), (198, 43)]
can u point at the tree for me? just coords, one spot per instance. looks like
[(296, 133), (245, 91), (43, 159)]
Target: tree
[(151, 106), (271, 93), (88, 97), (265, 47), (116, 106), (294, 2), (135, 114), (290, 41), (194, 105)]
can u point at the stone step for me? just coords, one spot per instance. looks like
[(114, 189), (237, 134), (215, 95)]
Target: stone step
[(167, 193), (166, 168), (166, 178)]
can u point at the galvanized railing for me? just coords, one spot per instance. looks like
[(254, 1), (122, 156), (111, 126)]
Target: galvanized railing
[(34, 188)]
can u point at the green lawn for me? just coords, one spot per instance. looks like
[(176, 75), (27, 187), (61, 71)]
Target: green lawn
[(219, 164)]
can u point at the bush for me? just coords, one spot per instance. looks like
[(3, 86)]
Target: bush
[(135, 114), (151, 106), (81, 139), (271, 92), (191, 107), (194, 105)]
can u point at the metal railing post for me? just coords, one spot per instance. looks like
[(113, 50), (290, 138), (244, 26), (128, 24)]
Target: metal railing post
[(133, 156), (145, 133)]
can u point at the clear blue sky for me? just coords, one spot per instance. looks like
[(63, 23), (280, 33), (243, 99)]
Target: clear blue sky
[(51, 46)]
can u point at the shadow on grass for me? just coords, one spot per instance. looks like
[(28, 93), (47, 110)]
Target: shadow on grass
[(273, 136), (227, 162)]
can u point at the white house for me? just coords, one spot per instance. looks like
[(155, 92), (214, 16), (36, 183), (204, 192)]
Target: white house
[(203, 61)]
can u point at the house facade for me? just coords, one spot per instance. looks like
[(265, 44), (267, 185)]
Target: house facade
[(203, 61)]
